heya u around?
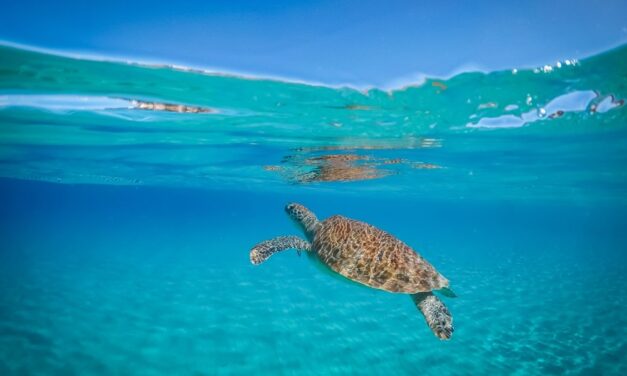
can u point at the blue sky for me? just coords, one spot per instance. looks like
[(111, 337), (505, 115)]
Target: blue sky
[(356, 42)]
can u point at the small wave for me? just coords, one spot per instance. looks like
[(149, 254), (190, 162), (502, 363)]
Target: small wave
[(65, 102), (577, 101), (94, 103)]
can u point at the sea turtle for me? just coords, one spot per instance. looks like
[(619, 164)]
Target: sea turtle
[(369, 256)]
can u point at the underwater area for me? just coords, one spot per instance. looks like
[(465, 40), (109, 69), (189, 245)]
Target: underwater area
[(131, 195)]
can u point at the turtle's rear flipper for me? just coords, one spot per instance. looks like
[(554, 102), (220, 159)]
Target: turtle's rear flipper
[(262, 251), (446, 291), (437, 315)]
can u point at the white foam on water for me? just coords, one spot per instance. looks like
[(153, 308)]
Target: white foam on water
[(576, 101), (65, 102), (571, 102)]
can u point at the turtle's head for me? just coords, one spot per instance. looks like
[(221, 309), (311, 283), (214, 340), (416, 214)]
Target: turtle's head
[(303, 218)]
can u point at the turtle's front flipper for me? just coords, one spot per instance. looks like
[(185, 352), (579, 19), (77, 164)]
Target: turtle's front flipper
[(262, 251), (437, 315)]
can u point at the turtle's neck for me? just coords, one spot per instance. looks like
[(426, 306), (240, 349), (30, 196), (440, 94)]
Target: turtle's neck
[(310, 225), (304, 219)]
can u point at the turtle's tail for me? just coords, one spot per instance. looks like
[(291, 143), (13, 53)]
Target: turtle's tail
[(437, 315), (262, 251)]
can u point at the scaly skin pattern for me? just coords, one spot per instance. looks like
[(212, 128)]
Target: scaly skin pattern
[(437, 315), (304, 218), (365, 254), (262, 251)]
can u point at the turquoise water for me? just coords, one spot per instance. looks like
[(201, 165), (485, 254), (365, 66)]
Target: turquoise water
[(131, 195)]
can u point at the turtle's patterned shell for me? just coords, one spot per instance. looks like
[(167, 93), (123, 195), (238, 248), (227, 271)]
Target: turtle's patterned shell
[(365, 254)]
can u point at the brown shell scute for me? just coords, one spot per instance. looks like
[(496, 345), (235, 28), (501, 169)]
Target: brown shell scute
[(365, 254)]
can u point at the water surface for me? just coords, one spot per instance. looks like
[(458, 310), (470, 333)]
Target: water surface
[(131, 194)]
